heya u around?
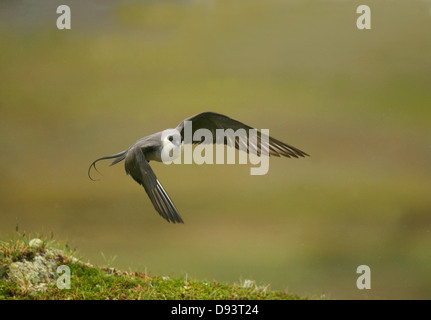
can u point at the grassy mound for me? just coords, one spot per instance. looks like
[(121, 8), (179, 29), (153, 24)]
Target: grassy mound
[(29, 269)]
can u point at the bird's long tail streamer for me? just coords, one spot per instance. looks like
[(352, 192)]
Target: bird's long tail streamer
[(118, 157)]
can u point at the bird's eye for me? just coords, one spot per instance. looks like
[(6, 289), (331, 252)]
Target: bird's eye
[(170, 138)]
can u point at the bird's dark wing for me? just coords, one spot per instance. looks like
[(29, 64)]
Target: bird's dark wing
[(213, 121), (139, 169)]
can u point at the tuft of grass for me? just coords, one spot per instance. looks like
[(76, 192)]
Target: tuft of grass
[(27, 271)]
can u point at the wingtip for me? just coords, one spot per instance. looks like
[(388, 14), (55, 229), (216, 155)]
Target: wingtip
[(174, 220)]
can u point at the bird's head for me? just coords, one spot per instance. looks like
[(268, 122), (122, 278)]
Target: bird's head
[(171, 138), (171, 145)]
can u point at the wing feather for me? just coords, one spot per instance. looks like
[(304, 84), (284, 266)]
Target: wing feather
[(139, 169)]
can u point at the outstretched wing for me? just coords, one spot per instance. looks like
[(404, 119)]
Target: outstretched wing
[(139, 169), (212, 121)]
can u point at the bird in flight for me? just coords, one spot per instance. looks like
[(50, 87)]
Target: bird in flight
[(152, 147)]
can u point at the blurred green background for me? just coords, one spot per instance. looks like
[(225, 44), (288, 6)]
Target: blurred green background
[(359, 102)]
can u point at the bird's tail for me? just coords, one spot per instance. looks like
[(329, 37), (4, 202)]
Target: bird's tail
[(118, 157)]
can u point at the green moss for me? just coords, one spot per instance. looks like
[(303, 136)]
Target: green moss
[(30, 273)]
